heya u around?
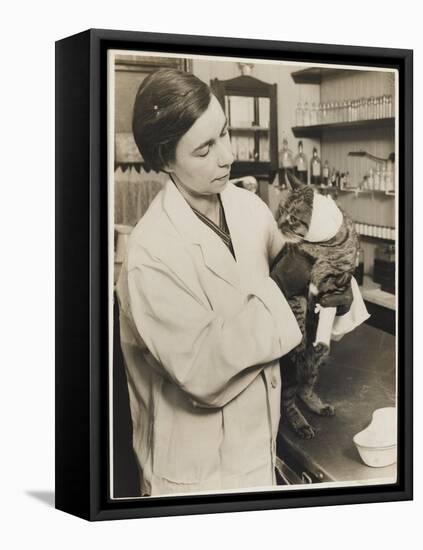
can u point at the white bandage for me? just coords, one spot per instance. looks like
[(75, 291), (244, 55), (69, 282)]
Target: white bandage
[(326, 219)]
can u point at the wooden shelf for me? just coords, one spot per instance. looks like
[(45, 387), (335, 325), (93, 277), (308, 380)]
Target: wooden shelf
[(258, 168), (377, 192), (248, 129), (356, 192), (317, 129), (314, 75)]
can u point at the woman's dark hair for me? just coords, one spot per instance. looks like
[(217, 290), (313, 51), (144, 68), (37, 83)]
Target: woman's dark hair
[(167, 104)]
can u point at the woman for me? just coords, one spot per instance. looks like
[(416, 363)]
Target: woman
[(202, 323)]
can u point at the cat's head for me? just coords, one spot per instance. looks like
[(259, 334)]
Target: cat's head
[(294, 214)]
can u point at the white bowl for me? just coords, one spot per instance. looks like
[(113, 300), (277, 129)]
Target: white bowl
[(377, 444)]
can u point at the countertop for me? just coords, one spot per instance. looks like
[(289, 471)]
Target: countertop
[(372, 292), (359, 377)]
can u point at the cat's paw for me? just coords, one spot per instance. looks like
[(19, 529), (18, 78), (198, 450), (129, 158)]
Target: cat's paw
[(321, 350), (306, 432), (327, 410)]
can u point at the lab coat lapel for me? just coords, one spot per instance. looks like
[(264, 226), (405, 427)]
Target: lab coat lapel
[(238, 227), (216, 255)]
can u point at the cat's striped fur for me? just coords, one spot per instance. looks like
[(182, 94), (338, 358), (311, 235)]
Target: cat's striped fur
[(333, 266)]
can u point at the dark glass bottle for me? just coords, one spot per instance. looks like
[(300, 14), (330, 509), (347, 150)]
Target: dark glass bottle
[(315, 168), (301, 164)]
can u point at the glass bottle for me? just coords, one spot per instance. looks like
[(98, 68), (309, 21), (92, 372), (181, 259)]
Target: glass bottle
[(306, 115), (377, 178), (371, 179), (331, 112), (349, 111), (345, 111), (385, 107), (285, 163), (301, 164), (299, 115), (325, 173), (347, 180), (375, 107), (332, 178), (324, 118), (390, 177), (313, 114), (319, 113), (315, 168), (370, 108), (335, 117)]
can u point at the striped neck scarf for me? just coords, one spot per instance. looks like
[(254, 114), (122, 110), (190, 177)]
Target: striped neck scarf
[(221, 230)]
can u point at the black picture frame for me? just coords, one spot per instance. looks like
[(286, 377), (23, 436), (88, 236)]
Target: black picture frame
[(82, 276)]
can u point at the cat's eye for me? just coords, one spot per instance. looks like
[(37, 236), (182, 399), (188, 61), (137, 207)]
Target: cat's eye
[(293, 219)]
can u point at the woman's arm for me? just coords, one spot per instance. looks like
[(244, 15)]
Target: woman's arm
[(211, 357)]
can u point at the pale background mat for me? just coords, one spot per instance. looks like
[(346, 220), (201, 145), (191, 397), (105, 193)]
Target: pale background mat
[(27, 37)]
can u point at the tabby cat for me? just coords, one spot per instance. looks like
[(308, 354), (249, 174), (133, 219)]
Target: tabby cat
[(333, 265)]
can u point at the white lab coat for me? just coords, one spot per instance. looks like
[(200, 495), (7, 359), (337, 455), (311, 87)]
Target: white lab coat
[(201, 336)]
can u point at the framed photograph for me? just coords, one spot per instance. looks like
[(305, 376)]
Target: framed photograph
[(233, 274)]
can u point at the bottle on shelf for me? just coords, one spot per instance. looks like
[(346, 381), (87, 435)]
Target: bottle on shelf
[(315, 168), (285, 163), (337, 179), (306, 115), (325, 174), (319, 108), (313, 114), (301, 164), (299, 118), (389, 177), (347, 180), (378, 179), (371, 180), (332, 178)]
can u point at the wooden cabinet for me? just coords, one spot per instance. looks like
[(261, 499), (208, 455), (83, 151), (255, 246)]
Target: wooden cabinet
[(251, 108)]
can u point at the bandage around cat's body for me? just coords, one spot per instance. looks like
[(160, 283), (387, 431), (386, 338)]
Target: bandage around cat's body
[(324, 328), (325, 223)]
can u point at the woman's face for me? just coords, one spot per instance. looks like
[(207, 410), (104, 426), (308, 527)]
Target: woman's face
[(203, 155)]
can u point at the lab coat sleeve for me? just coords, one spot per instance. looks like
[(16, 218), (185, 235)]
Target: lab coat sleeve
[(275, 239), (210, 357)]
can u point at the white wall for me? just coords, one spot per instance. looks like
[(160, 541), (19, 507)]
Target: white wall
[(27, 275)]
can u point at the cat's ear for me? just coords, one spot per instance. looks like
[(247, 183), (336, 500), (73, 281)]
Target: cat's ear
[(294, 183)]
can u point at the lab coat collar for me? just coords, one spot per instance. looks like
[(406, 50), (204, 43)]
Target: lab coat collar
[(216, 255)]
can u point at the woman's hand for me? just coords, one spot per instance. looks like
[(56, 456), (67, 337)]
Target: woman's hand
[(341, 300), (340, 297), (291, 272)]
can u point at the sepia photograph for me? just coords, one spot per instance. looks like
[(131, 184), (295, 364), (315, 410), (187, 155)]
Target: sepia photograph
[(253, 281)]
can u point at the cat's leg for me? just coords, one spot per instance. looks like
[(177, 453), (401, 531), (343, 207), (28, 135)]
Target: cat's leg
[(314, 357), (290, 412), (289, 374)]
